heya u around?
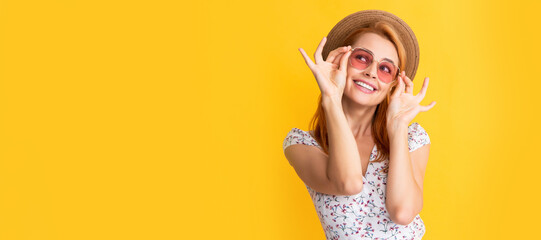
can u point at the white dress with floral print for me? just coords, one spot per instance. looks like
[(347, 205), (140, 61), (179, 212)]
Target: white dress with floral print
[(364, 215)]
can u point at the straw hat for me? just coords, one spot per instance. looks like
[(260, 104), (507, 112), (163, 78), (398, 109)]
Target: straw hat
[(364, 18)]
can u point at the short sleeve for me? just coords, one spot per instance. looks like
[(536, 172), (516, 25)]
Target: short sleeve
[(298, 136), (417, 137)]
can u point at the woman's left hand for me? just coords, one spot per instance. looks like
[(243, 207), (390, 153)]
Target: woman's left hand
[(403, 106)]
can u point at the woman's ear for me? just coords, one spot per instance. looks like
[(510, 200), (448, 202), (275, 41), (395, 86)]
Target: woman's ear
[(392, 88)]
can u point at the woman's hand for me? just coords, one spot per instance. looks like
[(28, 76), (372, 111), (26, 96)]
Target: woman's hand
[(330, 74), (403, 106)]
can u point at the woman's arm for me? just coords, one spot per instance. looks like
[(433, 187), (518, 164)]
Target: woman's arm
[(405, 177), (404, 193), (344, 167)]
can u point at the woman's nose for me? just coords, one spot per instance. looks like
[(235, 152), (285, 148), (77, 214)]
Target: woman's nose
[(371, 72)]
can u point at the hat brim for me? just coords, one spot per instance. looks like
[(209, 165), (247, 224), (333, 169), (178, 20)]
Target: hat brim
[(364, 18)]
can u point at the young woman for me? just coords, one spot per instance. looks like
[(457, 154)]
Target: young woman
[(361, 163)]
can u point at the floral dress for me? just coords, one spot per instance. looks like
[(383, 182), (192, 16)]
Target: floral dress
[(364, 215)]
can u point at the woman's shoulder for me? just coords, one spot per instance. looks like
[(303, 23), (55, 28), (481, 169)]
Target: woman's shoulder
[(417, 136), (299, 136)]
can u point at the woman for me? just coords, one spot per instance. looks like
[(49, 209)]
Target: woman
[(361, 163)]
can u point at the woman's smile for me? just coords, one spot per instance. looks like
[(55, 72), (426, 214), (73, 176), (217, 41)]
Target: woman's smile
[(363, 87)]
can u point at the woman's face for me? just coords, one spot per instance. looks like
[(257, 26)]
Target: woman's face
[(382, 48)]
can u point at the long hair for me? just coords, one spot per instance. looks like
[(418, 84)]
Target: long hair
[(318, 124)]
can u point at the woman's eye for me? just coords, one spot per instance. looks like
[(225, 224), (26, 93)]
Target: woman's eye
[(386, 69), (362, 58)]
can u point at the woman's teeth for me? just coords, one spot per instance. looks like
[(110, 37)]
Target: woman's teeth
[(364, 85)]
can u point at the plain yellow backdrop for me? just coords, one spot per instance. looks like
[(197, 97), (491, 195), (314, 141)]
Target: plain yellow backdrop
[(165, 119)]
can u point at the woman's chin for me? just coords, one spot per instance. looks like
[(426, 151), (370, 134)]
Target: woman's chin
[(363, 100)]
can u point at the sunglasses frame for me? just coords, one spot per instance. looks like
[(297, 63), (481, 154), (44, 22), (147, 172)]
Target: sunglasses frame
[(381, 60)]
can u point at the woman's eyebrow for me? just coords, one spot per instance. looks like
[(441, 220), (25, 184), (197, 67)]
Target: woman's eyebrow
[(389, 60), (383, 58)]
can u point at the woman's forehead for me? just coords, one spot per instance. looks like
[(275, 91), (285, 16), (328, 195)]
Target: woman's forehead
[(379, 46)]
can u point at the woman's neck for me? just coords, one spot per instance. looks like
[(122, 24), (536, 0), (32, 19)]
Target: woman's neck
[(359, 118)]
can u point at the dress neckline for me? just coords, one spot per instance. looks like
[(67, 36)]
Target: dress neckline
[(369, 158), (369, 163)]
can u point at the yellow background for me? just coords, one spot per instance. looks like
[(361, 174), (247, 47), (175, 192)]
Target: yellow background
[(165, 119)]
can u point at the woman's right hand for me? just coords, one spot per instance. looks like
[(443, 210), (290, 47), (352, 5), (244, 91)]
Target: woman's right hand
[(331, 73)]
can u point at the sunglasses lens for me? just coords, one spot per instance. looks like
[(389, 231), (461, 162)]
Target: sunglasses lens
[(386, 71), (360, 59)]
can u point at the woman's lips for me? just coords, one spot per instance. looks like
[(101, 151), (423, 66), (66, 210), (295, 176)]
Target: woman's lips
[(363, 89), (371, 85)]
